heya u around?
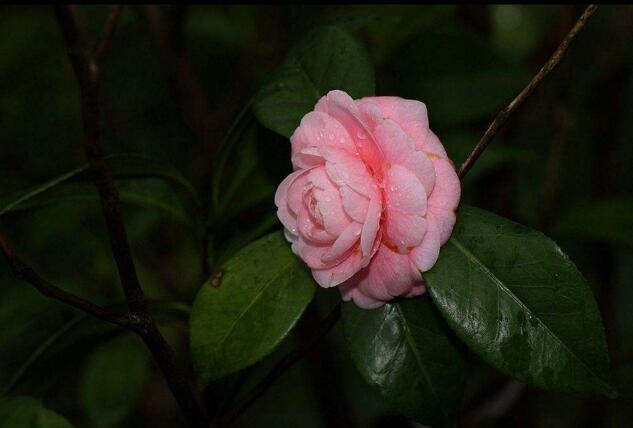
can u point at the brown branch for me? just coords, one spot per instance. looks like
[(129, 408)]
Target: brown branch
[(282, 366), (87, 73), (24, 272), (505, 114)]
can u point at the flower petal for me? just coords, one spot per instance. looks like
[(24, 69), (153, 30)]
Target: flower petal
[(425, 255), (405, 202), (398, 148), (444, 199), (388, 275), (345, 241), (340, 106)]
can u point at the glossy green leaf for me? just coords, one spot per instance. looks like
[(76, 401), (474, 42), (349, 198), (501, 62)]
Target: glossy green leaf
[(263, 291), (26, 412), (406, 351), (327, 58), (112, 380), (517, 300), (609, 221), (121, 166)]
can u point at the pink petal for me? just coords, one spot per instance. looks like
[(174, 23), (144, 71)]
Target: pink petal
[(371, 226), (288, 219), (398, 148), (444, 199), (340, 106), (296, 192), (361, 300), (319, 129), (411, 115), (281, 195), (333, 276), (330, 207), (343, 243), (425, 255), (432, 146), (352, 173), (354, 204), (405, 208), (388, 275)]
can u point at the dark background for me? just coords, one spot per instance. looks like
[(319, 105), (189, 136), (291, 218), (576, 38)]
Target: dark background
[(174, 80)]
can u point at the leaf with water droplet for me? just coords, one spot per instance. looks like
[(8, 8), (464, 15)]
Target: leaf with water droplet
[(512, 295)]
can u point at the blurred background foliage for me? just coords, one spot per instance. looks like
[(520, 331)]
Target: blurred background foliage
[(562, 165)]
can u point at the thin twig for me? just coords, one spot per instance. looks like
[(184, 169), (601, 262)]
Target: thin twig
[(505, 114), (24, 272), (282, 366), (87, 73), (106, 34)]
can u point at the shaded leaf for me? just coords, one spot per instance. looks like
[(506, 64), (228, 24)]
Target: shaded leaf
[(327, 58), (148, 193), (263, 291), (122, 165), (405, 350), (112, 380), (515, 298), (26, 412)]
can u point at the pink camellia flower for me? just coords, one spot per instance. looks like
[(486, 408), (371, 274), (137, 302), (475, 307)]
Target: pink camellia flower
[(372, 196)]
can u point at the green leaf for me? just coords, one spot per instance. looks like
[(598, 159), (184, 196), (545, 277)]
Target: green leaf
[(121, 166), (327, 58), (148, 193), (247, 235), (246, 183), (405, 350), (26, 412), (515, 298), (112, 380), (263, 292), (609, 221)]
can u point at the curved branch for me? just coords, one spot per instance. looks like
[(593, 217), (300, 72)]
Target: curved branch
[(24, 272), (505, 114), (87, 73)]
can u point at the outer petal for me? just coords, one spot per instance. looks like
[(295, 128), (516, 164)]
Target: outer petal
[(432, 146), (443, 201), (405, 201), (359, 298), (425, 255), (398, 148), (388, 275), (411, 115), (281, 195), (333, 276), (340, 106), (317, 129)]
